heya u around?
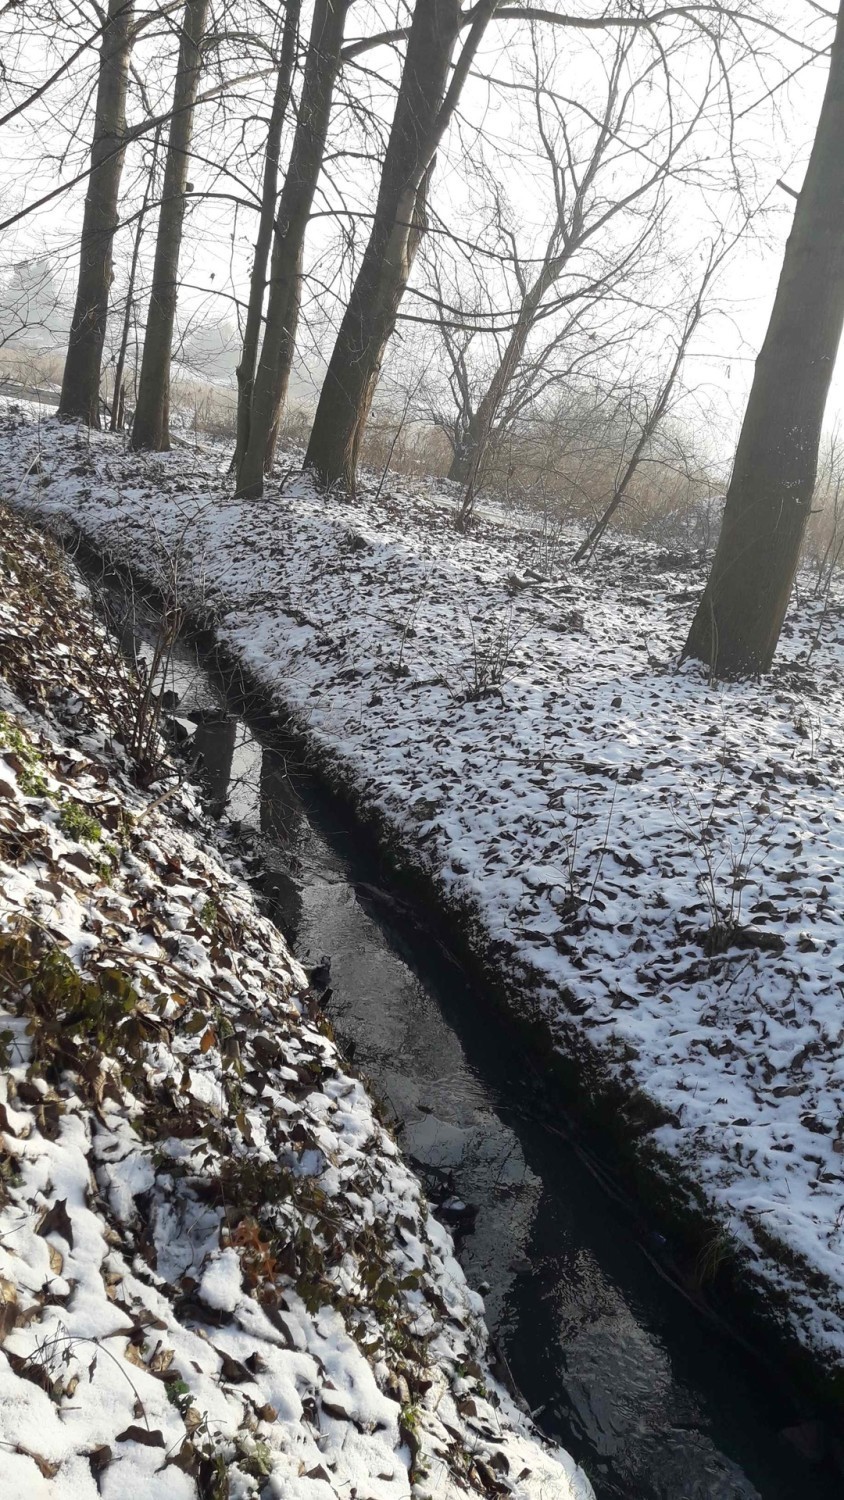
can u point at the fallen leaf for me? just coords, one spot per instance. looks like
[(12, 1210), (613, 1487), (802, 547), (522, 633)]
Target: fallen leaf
[(161, 1360), (57, 1221), (154, 1439), (232, 1369), (100, 1458), (45, 1465)]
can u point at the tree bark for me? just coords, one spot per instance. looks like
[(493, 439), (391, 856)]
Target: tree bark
[(80, 395), (739, 618), (263, 242), (423, 109), (151, 427), (285, 360), (463, 454), (306, 156), (118, 404)]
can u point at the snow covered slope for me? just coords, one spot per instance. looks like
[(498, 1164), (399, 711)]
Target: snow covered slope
[(217, 1276), (654, 862)]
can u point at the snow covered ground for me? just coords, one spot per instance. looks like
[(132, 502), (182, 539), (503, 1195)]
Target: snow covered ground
[(218, 1278), (654, 861)]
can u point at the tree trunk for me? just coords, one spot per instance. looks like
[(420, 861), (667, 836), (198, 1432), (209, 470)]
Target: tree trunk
[(352, 376), (462, 447), (739, 618), (306, 155), (151, 427), (258, 279), (118, 405), (80, 397), (468, 459), (423, 109), (285, 359)]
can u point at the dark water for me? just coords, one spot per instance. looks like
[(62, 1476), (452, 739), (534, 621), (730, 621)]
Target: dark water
[(652, 1400)]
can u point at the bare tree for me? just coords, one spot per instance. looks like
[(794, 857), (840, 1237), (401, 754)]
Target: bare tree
[(266, 224), (151, 426), (660, 405), (118, 399), (399, 221), (297, 196), (118, 32), (427, 98), (80, 395), (576, 151), (739, 618)]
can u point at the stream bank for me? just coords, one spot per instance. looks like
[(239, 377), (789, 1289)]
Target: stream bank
[(633, 1374), (219, 1279), (715, 1079)]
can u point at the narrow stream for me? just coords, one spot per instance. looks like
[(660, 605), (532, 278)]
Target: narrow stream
[(653, 1401)]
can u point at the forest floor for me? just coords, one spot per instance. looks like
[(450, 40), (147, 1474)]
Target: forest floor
[(218, 1278), (651, 862)]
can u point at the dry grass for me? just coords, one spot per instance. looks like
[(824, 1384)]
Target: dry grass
[(557, 469)]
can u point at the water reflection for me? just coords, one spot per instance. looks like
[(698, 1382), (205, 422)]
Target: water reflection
[(575, 1342), (214, 742)]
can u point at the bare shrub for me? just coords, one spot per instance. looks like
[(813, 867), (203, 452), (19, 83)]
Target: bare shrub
[(726, 854), (493, 645), (560, 465), (405, 445), (203, 407), (31, 370)]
